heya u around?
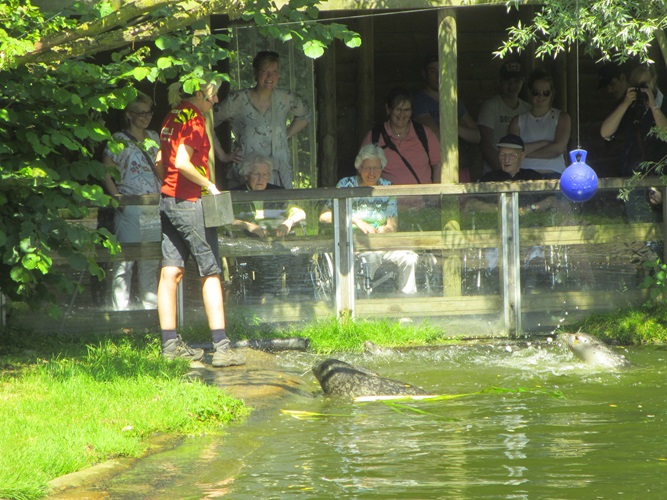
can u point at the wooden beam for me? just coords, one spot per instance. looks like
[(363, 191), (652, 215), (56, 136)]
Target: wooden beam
[(327, 117), (332, 5), (449, 138), (366, 78)]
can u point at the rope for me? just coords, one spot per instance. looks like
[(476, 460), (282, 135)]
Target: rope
[(577, 66)]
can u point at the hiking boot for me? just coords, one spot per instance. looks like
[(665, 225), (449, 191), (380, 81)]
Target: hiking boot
[(176, 348), (224, 355)]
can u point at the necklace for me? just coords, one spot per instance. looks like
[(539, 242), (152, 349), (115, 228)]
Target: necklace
[(400, 134)]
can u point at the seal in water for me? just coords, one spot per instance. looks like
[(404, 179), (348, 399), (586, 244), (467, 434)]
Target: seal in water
[(590, 349), (338, 378)]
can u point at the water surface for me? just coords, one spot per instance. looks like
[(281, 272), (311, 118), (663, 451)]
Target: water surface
[(605, 438)]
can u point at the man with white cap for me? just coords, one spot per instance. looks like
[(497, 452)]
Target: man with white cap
[(510, 155)]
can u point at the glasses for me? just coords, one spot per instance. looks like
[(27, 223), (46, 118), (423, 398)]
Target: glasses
[(143, 114), (370, 169), (545, 93), (259, 175), (509, 156)]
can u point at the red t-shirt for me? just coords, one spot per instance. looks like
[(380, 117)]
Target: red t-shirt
[(183, 125)]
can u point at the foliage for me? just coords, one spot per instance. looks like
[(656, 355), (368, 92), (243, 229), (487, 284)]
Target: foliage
[(54, 100), (655, 281), (630, 326), (608, 29)]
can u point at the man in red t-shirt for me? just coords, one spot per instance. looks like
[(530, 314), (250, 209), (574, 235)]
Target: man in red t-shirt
[(184, 153)]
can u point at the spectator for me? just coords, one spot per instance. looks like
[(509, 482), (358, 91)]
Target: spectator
[(426, 110), (377, 215), (497, 112), (642, 108), (258, 118), (412, 150), (544, 129), (612, 78), (270, 219), (132, 172), (511, 154), (184, 151)]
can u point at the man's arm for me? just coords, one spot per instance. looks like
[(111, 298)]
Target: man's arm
[(489, 150), (610, 124), (468, 130)]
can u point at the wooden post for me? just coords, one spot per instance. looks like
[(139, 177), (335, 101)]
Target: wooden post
[(449, 137), (662, 42), (511, 290), (366, 77), (449, 143), (327, 117)]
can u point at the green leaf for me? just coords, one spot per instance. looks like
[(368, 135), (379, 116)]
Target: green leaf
[(81, 132), (26, 245), (141, 72), (30, 261), (313, 49), (19, 275), (353, 41), (164, 62)]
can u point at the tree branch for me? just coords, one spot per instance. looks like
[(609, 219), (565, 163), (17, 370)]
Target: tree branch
[(103, 35)]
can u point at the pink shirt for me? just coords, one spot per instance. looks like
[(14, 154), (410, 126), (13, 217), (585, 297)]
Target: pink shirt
[(412, 150)]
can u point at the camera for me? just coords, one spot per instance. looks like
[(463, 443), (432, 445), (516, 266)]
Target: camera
[(641, 95)]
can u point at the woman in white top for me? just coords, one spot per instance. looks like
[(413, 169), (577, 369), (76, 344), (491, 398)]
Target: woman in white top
[(544, 130)]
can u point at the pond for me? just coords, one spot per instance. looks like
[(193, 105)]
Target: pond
[(563, 429)]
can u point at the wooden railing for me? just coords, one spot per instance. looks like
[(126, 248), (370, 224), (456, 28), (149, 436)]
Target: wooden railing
[(461, 311)]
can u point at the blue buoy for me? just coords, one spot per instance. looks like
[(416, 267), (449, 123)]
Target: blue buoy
[(579, 182)]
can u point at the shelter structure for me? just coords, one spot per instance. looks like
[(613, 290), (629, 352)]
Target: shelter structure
[(589, 253)]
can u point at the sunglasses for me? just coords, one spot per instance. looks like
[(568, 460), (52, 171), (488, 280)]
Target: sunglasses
[(545, 93)]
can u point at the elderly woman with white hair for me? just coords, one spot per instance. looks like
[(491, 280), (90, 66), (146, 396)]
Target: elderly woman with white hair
[(377, 215), (274, 217), (265, 219)]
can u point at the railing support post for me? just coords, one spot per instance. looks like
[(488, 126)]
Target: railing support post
[(509, 226)]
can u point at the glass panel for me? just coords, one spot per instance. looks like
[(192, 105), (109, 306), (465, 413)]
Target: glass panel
[(574, 259), (482, 259), (269, 277), (581, 256)]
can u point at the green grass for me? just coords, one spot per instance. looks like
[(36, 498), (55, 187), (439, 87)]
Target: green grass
[(97, 399), (329, 335), (647, 325)]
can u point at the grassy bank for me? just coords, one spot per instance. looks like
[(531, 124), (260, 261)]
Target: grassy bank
[(67, 403), (631, 326)]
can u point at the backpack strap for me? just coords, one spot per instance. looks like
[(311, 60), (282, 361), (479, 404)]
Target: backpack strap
[(421, 133), (388, 143)]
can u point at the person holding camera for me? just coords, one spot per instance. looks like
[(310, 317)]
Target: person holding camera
[(642, 108)]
